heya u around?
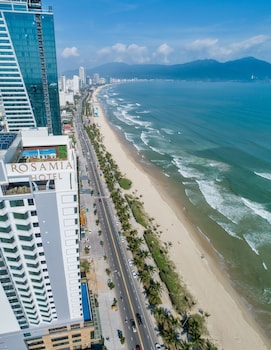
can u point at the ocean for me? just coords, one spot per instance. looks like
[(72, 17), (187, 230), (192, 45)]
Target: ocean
[(212, 142)]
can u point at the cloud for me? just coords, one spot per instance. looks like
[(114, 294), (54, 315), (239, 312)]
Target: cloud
[(119, 52), (202, 44), (70, 52), (164, 50), (119, 47), (216, 49), (249, 43)]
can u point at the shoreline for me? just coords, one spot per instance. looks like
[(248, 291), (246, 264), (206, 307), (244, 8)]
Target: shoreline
[(230, 324)]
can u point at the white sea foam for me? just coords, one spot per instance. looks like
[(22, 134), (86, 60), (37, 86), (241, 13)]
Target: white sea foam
[(129, 119), (226, 227), (264, 266), (225, 203), (143, 112), (130, 137), (168, 131), (267, 295), (155, 149), (192, 196), (256, 240), (258, 209), (184, 168), (251, 243), (264, 175), (144, 137)]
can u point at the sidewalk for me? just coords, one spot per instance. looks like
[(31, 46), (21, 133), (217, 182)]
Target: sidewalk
[(110, 320)]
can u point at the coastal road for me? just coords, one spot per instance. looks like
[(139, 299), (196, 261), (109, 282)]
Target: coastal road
[(130, 302)]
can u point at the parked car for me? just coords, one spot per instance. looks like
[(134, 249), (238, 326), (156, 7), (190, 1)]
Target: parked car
[(134, 274)]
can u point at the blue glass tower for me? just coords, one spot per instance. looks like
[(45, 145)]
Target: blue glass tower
[(28, 68)]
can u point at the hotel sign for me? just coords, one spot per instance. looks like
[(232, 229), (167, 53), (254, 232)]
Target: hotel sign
[(40, 170)]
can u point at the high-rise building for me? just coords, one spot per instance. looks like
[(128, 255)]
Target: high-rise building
[(82, 76), (42, 299), (28, 79)]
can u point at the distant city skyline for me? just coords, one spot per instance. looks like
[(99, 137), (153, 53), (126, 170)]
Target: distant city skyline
[(160, 31)]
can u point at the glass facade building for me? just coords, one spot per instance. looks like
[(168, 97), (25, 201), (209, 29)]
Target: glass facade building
[(28, 68)]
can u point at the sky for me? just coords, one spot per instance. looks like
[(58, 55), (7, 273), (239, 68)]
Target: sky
[(90, 33)]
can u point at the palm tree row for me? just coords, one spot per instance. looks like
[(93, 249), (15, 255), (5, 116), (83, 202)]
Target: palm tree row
[(111, 175), (169, 327)]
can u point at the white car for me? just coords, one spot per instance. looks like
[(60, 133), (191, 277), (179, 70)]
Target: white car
[(134, 274), (131, 262), (157, 346)]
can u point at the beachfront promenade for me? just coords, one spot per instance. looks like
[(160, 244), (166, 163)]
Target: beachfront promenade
[(111, 321)]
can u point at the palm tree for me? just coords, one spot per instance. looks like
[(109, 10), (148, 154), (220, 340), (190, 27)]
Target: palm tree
[(186, 346), (145, 278), (157, 286), (210, 346), (138, 262), (171, 340), (153, 296), (150, 268), (143, 254)]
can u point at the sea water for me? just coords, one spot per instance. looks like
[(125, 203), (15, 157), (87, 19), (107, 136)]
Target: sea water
[(212, 140)]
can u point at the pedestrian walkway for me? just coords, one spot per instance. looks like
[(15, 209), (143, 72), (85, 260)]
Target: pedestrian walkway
[(109, 320)]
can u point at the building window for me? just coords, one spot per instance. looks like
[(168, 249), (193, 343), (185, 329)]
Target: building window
[(30, 257), (75, 326), (21, 216), (9, 250), (58, 329), (30, 201), (7, 240), (23, 227), (9, 258), (32, 273), (76, 335), (31, 248), (60, 338), (26, 238), (17, 203), (5, 229), (4, 217)]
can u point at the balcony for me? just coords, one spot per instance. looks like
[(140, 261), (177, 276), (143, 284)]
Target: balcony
[(16, 190)]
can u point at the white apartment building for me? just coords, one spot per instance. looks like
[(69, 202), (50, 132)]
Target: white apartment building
[(82, 76), (39, 228)]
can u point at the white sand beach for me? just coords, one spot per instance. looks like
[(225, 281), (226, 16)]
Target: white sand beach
[(230, 325)]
